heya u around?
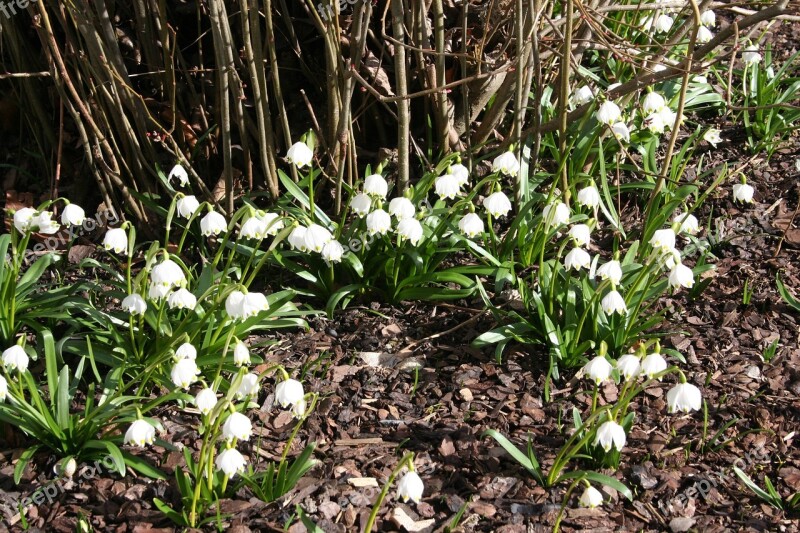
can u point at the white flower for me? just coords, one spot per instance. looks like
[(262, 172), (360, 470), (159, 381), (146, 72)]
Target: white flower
[(3, 389), (73, 215), (186, 351), (628, 366), (299, 409), (742, 192), (653, 364), (213, 224), (750, 55), (556, 214), (688, 223), (506, 163), (663, 23), (653, 103), (671, 258), (23, 218), (206, 400), (333, 252), (663, 239), (44, 223), (581, 95), (180, 173), (410, 229), (116, 239), (299, 154), (289, 392), (134, 304), (140, 432), (589, 196), (704, 35), (613, 86), (708, 18), (15, 358), (253, 303), (654, 123), (668, 117), (184, 373), (168, 274), (497, 204), (241, 355), (461, 174), (297, 239), (577, 259), (272, 222), (237, 426), (248, 386), (401, 208), (684, 397), (253, 228), (316, 237), (621, 131), (361, 204), (681, 276), (65, 467), (447, 187), (156, 292), (471, 225), (608, 113), (581, 234), (613, 302), (181, 299), (375, 185), (598, 369), (230, 462), (233, 305), (591, 498), (659, 67), (712, 136), (611, 271), (187, 205), (410, 487), (378, 222), (610, 434)]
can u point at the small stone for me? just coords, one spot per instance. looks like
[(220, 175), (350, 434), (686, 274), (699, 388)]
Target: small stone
[(681, 524)]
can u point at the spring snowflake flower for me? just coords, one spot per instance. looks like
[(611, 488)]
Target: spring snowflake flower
[(410, 229), (140, 433), (653, 364), (272, 222), (15, 358), (497, 204), (361, 203), (688, 223), (610, 435), (205, 400), (237, 426), (461, 173), (233, 305), (581, 95), (375, 185), (253, 228), (704, 35), (184, 373), (299, 409), (297, 239), (248, 386), (663, 23), (681, 276), (378, 222), (186, 351), (655, 124), (506, 163), (179, 173), (401, 208), (712, 137), (289, 392), (333, 252), (252, 304), (43, 223), (134, 304), (598, 369), (182, 299), (708, 18), (653, 103), (684, 397), (591, 498), (230, 462), (613, 302), (671, 258), (663, 239), (316, 237), (628, 366), (187, 205), (241, 355), (608, 113), (471, 225), (589, 196), (168, 274), (447, 187), (23, 218), (742, 192), (556, 214), (66, 467), (751, 56), (300, 155), (410, 487), (3, 389), (213, 224), (621, 131), (611, 271), (577, 259), (73, 215), (156, 292), (581, 234)]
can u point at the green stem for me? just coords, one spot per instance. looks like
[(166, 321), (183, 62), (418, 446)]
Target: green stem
[(407, 459)]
